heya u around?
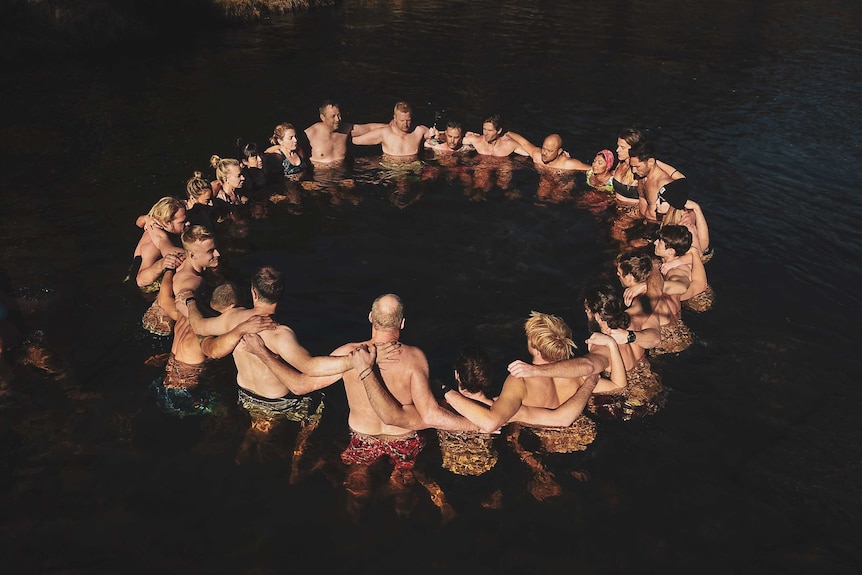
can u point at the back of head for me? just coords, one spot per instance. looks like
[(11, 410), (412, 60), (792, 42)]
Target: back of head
[(224, 296), (638, 263), (607, 304), (194, 235), (550, 336), (165, 209), (267, 282), (676, 237), (196, 185), (474, 369), (387, 312)]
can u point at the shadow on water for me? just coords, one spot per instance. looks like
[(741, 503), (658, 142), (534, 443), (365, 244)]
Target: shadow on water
[(752, 465)]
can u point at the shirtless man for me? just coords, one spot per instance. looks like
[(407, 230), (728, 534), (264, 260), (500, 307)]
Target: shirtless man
[(647, 305), (328, 138), (535, 396), (492, 141), (650, 179), (186, 364), (550, 155), (453, 140), (399, 138), (394, 436), (534, 384), (165, 220)]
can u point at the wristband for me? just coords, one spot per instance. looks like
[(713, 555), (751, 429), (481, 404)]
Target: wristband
[(446, 387), (365, 373), (632, 336), (188, 299), (170, 270)]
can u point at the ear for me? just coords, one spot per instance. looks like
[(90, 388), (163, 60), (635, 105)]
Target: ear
[(369, 318)]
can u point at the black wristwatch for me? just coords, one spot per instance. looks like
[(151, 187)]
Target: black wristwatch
[(192, 298), (632, 336)]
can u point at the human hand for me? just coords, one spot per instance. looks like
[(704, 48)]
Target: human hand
[(363, 357), (388, 352), (520, 368), (632, 292), (256, 324), (253, 344), (171, 261)]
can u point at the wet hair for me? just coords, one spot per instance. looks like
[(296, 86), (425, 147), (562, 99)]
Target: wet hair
[(604, 301), (454, 125), (326, 104), (638, 263), (224, 296), (676, 237), (631, 136), (643, 151), (268, 284), (473, 366), (221, 166), (247, 149), (495, 120), (279, 131), (196, 185), (165, 209), (195, 234), (402, 107), (550, 336), (387, 311)]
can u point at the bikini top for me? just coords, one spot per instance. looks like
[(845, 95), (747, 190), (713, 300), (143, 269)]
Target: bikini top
[(630, 192), (290, 169)]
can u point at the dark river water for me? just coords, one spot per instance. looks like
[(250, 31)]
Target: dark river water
[(754, 465)]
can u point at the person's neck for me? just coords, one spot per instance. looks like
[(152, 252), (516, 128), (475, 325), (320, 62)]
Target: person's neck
[(264, 307), (384, 335)]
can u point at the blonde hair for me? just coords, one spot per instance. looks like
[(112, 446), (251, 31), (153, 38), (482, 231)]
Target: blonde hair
[(221, 166), (196, 185), (672, 217), (195, 235), (550, 336), (165, 209), (402, 107), (279, 131)]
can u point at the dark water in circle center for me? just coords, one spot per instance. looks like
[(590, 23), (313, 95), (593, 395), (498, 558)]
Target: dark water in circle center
[(751, 467)]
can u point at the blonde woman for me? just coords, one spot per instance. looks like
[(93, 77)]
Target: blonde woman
[(229, 180)]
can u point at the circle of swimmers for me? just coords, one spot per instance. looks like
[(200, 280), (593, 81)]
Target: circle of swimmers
[(664, 245)]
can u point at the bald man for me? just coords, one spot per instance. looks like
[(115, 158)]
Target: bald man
[(550, 155)]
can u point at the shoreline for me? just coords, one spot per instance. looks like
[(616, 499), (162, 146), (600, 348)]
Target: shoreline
[(65, 28)]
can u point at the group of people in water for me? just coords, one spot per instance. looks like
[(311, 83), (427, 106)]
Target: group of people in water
[(556, 397)]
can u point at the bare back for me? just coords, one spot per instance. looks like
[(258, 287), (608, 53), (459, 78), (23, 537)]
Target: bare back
[(402, 378), (253, 375)]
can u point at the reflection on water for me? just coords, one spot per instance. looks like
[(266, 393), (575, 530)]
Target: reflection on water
[(746, 462)]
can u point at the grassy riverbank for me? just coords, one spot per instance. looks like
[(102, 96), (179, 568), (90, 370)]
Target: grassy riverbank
[(64, 27)]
